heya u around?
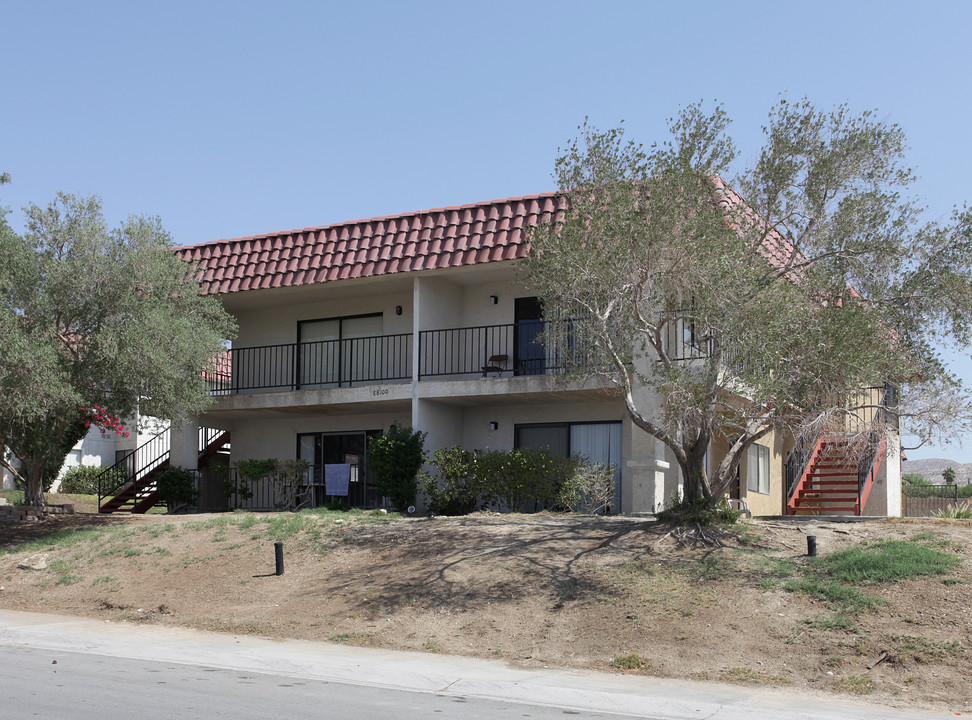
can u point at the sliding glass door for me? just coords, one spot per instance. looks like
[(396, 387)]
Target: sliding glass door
[(339, 351), (323, 449), (600, 443)]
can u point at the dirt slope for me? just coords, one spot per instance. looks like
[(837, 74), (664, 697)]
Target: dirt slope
[(539, 590)]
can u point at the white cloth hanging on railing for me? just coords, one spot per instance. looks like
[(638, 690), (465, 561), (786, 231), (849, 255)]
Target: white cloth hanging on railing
[(337, 479)]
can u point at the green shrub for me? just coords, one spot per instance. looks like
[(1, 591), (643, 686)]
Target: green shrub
[(589, 489), (956, 511), (395, 459), (456, 490), (177, 486), (699, 511), (513, 480), (83, 480)]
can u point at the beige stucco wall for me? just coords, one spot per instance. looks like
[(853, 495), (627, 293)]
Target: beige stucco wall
[(277, 437), (772, 503), (443, 300), (277, 324)]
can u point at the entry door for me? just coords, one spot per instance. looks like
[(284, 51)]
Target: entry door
[(529, 356), (320, 449)]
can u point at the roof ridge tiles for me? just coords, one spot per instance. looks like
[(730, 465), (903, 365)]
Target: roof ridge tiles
[(451, 236), (385, 218)]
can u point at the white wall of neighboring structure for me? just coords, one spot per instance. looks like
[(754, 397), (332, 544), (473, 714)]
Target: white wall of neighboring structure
[(6, 477)]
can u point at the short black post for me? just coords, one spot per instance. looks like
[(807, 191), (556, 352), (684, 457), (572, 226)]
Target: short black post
[(278, 556), (811, 546)]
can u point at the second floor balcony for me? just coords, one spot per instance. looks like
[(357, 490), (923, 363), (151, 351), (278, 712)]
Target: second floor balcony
[(509, 350)]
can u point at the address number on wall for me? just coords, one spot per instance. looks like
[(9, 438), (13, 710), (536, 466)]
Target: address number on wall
[(379, 391)]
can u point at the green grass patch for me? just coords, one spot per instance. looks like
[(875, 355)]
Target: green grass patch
[(713, 567), (220, 522), (281, 526), (432, 645), (887, 561), (921, 648), (854, 684), (245, 522), (68, 579), (14, 497), (62, 540), (838, 596), (761, 676), (837, 622), (628, 661)]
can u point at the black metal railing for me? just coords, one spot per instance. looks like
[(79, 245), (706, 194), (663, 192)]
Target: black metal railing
[(134, 466), (873, 413), (509, 349), (312, 365), (264, 494), (207, 436), (466, 351), (250, 495), (796, 464)]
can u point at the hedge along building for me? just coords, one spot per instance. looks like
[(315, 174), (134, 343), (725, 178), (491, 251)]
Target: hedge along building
[(422, 319)]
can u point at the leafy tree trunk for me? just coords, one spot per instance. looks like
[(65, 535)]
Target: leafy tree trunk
[(696, 486), (696, 480), (41, 449), (33, 475)]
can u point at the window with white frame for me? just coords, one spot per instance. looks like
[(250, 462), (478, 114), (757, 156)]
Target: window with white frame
[(757, 469)]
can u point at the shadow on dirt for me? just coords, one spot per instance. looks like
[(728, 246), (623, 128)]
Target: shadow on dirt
[(508, 557), (14, 534)]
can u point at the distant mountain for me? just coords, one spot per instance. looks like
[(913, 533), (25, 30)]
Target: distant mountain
[(931, 469)]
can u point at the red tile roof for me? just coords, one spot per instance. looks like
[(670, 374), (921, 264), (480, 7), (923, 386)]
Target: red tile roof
[(427, 240), (776, 248)]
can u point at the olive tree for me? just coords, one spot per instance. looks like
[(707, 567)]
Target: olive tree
[(96, 322), (735, 309)]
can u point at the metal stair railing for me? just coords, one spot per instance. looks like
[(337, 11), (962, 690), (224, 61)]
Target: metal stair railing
[(870, 460), (135, 465)]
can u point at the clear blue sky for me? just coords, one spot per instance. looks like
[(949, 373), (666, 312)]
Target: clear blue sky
[(236, 118)]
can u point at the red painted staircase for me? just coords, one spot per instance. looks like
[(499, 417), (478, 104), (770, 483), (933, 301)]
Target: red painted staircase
[(837, 478), (829, 483), (143, 466)]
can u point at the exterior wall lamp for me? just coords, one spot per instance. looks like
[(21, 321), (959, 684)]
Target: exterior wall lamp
[(493, 299), (494, 425)]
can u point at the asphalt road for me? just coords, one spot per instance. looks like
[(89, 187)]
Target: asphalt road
[(65, 667), (95, 687)]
